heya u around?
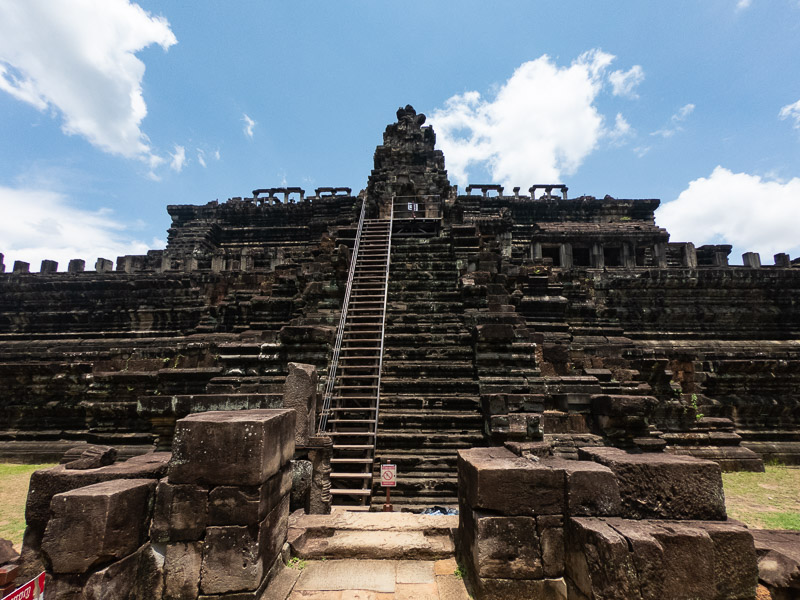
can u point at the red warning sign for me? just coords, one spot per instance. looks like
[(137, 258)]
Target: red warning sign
[(388, 475), (33, 590)]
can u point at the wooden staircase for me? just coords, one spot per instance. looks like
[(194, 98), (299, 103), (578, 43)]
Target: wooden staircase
[(354, 392)]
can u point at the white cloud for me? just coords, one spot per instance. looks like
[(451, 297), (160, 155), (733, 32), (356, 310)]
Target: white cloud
[(742, 4), (78, 57), (540, 125), (791, 111), (178, 159), (675, 121), (201, 157), (622, 129), (40, 224), (623, 83), (747, 211), (249, 126)]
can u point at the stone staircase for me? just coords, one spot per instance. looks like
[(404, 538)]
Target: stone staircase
[(354, 402), (430, 406)]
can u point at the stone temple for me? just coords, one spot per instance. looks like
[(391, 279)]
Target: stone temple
[(550, 364), (473, 318)]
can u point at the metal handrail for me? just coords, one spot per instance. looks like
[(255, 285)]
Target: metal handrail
[(383, 323), (326, 402)]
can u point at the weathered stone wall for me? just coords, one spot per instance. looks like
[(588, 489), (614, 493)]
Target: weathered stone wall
[(613, 525), (211, 522)]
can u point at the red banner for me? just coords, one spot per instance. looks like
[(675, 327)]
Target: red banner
[(33, 590)]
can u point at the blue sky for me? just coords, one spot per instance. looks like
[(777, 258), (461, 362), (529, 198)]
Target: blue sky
[(111, 110)]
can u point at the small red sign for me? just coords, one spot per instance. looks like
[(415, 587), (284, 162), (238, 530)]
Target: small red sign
[(33, 590), (388, 475)]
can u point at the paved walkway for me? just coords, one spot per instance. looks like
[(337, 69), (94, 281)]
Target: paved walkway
[(355, 579)]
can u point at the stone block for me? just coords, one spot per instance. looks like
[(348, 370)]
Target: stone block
[(735, 562), (7, 552), (231, 560), (598, 561), (97, 524), (623, 406), (92, 457), (236, 558), (779, 561), (180, 512), (301, 484), (300, 395), (514, 589), (233, 505), (663, 486), (502, 547), (103, 265), (67, 587), (46, 483), (496, 479), (182, 564), (135, 577), (662, 559), (243, 448), (495, 332), (76, 265), (752, 260), (21, 267), (591, 488), (48, 266), (551, 537)]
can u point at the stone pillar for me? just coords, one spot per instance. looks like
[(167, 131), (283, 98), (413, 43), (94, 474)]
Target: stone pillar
[(536, 248), (566, 255), (48, 266), (218, 263), (166, 263), (76, 265), (237, 464), (320, 453), (781, 260), (598, 257), (628, 256), (300, 395), (689, 255), (21, 267), (660, 254), (2, 264), (720, 259), (246, 263), (752, 260), (103, 265)]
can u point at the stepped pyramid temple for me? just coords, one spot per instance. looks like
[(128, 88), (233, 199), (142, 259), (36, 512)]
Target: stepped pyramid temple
[(552, 366)]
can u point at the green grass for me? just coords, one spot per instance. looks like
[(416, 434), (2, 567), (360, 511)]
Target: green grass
[(768, 500), (13, 493)]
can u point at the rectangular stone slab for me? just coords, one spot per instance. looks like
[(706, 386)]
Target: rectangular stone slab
[(242, 448), (663, 486), (47, 483), (655, 559), (97, 524), (496, 479)]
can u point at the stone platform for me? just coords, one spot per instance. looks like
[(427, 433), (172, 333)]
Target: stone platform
[(369, 580)]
